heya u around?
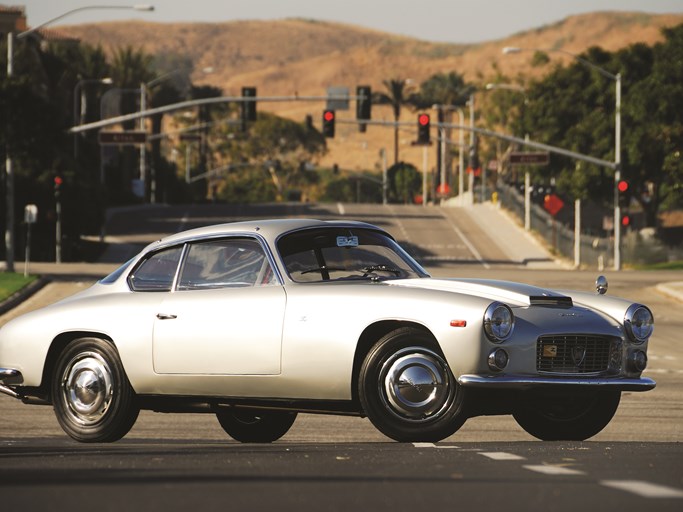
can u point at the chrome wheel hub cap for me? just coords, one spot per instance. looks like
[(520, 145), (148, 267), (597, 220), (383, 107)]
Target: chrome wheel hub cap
[(87, 388), (416, 384)]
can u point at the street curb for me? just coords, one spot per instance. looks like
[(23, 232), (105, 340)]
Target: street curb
[(17, 298)]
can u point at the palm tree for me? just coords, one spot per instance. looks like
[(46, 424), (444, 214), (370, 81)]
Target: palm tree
[(397, 94)]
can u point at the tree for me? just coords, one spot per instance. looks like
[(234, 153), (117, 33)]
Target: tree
[(654, 109), (397, 94), (275, 149)]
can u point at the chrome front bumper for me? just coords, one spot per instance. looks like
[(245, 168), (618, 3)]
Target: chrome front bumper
[(530, 382), (10, 376)]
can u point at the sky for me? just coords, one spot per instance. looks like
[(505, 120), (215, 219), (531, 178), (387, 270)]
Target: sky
[(453, 21)]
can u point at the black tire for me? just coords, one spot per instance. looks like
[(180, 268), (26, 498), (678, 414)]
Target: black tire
[(569, 416), (407, 389), (91, 395), (256, 426)]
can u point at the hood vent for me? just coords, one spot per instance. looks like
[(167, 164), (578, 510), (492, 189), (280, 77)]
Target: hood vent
[(552, 300)]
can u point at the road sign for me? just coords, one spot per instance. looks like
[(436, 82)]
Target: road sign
[(30, 214), (553, 204), (123, 137), (341, 101), (538, 158)]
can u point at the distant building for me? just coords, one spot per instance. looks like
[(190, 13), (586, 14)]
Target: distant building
[(12, 19)]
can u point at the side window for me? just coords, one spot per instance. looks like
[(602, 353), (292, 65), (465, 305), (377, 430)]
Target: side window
[(225, 263), (156, 273)]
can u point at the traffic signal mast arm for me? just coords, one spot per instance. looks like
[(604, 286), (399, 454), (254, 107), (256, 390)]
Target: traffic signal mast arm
[(237, 99)]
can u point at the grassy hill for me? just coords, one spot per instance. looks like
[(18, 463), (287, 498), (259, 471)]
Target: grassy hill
[(301, 56)]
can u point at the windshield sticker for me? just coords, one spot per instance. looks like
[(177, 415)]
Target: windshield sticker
[(347, 241)]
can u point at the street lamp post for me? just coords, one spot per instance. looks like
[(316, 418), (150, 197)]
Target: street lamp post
[(79, 114), (617, 137), (9, 187)]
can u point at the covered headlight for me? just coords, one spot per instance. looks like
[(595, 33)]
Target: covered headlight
[(498, 322), (639, 323)]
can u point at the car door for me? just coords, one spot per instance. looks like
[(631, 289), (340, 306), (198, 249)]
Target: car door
[(225, 315)]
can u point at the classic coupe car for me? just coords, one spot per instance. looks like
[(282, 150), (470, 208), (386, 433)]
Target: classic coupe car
[(257, 321)]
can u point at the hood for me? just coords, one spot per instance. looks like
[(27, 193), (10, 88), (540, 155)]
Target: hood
[(513, 294)]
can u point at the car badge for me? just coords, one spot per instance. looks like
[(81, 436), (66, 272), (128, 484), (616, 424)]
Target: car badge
[(578, 355)]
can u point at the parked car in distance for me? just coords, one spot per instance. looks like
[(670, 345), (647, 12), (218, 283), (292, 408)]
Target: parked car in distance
[(257, 321)]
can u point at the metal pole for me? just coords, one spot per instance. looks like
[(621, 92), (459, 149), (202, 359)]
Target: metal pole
[(527, 201), (385, 184), (187, 163), (461, 156), (9, 174), (577, 233), (143, 146), (424, 175), (617, 175), (444, 183)]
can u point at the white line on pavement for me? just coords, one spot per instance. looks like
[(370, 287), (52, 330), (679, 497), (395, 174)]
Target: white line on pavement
[(501, 456), (644, 489), (554, 470)]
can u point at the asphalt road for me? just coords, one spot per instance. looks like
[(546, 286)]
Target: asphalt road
[(174, 462)]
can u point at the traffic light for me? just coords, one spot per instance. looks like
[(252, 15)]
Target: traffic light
[(626, 220), (363, 105), (58, 185), (248, 107), (624, 191), (423, 125), (328, 123)]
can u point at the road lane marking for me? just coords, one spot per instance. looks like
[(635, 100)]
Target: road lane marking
[(469, 245), (432, 445), (554, 470), (501, 456), (644, 489)]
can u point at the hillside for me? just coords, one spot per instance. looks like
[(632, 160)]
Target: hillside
[(297, 56)]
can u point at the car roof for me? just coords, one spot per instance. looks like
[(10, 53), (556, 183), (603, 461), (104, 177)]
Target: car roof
[(270, 229)]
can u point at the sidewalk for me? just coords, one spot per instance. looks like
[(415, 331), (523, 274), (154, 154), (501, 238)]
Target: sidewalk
[(518, 244)]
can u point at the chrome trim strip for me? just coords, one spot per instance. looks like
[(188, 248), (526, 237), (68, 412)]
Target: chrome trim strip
[(528, 382)]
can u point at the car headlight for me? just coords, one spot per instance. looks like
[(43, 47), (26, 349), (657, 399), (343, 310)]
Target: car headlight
[(498, 322), (639, 322)]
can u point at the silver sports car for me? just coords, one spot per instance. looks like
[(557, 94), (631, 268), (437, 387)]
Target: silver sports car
[(257, 321)]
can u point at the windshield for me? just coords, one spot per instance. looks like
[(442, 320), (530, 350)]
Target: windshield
[(331, 254)]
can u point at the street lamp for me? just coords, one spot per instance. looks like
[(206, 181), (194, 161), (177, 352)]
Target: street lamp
[(9, 189), (617, 137)]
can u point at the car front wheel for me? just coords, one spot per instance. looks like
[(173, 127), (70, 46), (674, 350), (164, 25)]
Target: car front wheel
[(574, 416), (256, 426), (407, 389), (91, 395)]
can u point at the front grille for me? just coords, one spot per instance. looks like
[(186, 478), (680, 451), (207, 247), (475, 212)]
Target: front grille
[(573, 353)]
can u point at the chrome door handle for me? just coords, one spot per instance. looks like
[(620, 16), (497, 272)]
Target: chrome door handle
[(166, 316)]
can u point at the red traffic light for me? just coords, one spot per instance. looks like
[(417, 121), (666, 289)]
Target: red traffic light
[(626, 220), (328, 115), (423, 119), (622, 186), (58, 180)]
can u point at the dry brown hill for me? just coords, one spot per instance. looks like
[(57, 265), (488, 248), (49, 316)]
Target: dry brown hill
[(305, 56)]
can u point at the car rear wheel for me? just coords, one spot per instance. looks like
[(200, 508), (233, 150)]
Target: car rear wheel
[(256, 426), (407, 389), (574, 416), (91, 395)]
